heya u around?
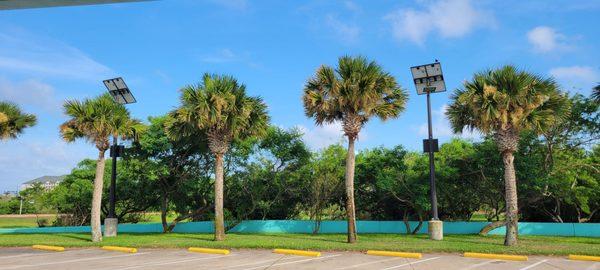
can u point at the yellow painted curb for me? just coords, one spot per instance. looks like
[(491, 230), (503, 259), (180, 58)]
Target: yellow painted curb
[(209, 250), (297, 252), (121, 249), (496, 256), (48, 248), (584, 258), (395, 254)]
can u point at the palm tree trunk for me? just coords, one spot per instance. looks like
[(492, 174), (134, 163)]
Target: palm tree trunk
[(97, 198), (219, 219), (350, 211), (510, 183)]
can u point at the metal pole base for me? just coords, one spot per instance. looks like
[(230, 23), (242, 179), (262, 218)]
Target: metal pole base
[(436, 230), (110, 227)]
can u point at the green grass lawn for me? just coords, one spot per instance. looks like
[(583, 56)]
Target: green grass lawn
[(29, 221), (328, 242), (23, 222)]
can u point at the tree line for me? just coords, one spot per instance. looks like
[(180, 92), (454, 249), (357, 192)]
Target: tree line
[(216, 151)]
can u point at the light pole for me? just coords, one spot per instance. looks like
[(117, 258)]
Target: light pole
[(121, 94), (429, 79)]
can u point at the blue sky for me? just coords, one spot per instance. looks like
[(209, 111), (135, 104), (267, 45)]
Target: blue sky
[(49, 55)]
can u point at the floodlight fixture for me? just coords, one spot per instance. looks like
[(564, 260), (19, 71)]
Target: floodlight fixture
[(119, 91)]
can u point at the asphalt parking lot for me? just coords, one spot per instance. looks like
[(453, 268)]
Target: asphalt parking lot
[(97, 259)]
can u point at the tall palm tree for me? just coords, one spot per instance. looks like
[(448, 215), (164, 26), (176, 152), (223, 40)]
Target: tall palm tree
[(219, 110), (13, 121), (353, 93), (503, 102), (96, 120)]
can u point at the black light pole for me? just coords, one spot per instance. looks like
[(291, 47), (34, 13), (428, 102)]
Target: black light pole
[(434, 208), (121, 94), (429, 79)]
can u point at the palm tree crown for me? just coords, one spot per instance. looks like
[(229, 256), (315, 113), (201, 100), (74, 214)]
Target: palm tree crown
[(220, 107), (13, 121), (596, 93), (353, 93), (97, 120), (507, 99)]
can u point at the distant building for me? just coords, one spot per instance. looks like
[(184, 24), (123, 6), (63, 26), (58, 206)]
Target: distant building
[(48, 182)]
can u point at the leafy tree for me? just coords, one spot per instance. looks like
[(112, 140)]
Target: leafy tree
[(353, 93), (325, 177), (270, 185), (503, 102), (171, 162), (219, 110), (596, 93), (96, 120), (13, 121)]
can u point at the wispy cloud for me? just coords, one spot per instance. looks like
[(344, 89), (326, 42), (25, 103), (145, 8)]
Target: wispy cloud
[(446, 18), (220, 56), (30, 92), (27, 159), (546, 39), (346, 32), (319, 137), (21, 52), (583, 77)]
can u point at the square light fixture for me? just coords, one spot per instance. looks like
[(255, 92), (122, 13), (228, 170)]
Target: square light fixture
[(428, 78), (119, 91)]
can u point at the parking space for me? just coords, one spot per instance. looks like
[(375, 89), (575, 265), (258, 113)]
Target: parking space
[(96, 259)]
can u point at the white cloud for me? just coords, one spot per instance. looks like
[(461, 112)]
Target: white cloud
[(23, 53), (27, 159), (320, 137), (344, 31), (351, 6), (447, 18), (441, 126), (220, 56), (576, 76), (30, 92), (546, 39)]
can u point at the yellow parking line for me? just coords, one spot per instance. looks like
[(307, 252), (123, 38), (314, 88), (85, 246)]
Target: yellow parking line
[(496, 256), (209, 250), (584, 258), (121, 249), (395, 254), (297, 252), (48, 248)]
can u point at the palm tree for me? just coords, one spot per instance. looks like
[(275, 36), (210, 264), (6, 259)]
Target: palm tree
[(13, 121), (219, 110), (353, 93), (596, 93), (96, 120), (503, 102)]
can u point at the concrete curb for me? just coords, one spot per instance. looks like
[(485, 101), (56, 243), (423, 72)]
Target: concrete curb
[(584, 258), (209, 250), (496, 256), (297, 252), (120, 249), (395, 254), (48, 248)]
